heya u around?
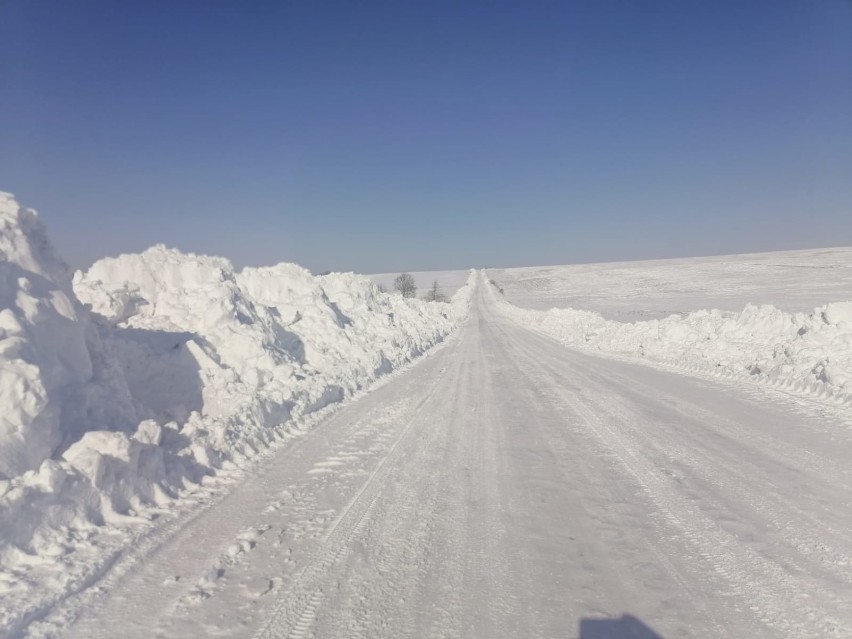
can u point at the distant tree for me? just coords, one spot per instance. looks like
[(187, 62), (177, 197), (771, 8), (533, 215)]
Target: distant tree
[(382, 288), (435, 294), (404, 283)]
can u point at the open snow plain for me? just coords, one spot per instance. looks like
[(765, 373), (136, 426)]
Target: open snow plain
[(653, 289), (534, 473), (509, 487)]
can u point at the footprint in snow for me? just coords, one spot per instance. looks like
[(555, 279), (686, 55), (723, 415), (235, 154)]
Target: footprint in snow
[(258, 587)]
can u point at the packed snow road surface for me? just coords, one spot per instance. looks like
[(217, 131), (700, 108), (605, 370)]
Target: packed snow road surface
[(509, 487)]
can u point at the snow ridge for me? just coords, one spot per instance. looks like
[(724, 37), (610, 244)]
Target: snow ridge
[(124, 388), (806, 352)]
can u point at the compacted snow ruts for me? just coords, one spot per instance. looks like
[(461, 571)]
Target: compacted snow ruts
[(507, 486)]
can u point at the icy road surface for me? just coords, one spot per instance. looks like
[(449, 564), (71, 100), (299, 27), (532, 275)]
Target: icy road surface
[(509, 487)]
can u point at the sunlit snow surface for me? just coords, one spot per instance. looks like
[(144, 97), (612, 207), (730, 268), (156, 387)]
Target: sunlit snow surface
[(508, 487), (144, 387), (783, 317), (123, 391), (628, 291)]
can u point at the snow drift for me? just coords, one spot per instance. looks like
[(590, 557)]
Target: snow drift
[(123, 388), (811, 352), (53, 374), (235, 353)]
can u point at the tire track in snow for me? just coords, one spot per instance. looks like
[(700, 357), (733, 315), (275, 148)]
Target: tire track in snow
[(781, 601), (691, 449), (305, 593), (561, 439)]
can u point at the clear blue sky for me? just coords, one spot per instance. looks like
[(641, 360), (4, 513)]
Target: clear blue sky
[(423, 135)]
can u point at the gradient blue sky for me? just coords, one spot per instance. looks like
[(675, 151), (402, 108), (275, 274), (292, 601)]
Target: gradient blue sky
[(395, 136)]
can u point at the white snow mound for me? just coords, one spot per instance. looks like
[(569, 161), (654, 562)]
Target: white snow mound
[(811, 352), (52, 370), (122, 390)]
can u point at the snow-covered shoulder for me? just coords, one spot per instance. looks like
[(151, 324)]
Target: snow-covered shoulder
[(810, 352), (122, 389)]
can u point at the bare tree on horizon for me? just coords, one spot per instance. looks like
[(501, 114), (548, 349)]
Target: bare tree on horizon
[(404, 283)]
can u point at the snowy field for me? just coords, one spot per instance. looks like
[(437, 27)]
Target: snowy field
[(177, 458), (783, 318), (508, 487), (794, 281), (628, 291)]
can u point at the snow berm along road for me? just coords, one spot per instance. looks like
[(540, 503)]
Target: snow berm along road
[(146, 385), (158, 474), (509, 487)]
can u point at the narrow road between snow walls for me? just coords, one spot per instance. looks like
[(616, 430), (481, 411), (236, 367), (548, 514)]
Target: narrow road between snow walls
[(507, 486)]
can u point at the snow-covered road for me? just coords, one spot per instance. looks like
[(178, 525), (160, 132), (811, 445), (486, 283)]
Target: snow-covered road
[(509, 487)]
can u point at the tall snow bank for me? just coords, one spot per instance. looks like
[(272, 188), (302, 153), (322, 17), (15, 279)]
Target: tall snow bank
[(52, 369), (811, 351), (121, 390), (235, 354)]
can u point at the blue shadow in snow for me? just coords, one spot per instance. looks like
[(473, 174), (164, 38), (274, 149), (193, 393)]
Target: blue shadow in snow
[(624, 627)]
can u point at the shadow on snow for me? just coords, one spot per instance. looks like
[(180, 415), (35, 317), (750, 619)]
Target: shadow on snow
[(624, 627)]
